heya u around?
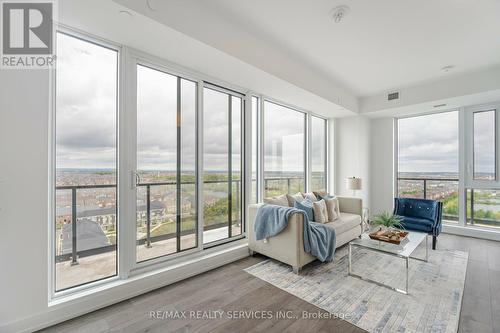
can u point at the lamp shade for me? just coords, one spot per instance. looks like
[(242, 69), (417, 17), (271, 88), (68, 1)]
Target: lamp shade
[(353, 183)]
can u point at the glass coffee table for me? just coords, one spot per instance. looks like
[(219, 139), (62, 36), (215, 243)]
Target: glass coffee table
[(404, 251)]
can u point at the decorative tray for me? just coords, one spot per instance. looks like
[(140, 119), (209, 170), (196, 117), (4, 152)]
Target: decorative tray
[(389, 236)]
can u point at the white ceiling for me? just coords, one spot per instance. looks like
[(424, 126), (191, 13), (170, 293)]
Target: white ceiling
[(379, 46)]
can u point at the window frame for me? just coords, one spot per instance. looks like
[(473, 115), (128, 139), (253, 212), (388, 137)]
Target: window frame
[(53, 293), (326, 167), (466, 179), (136, 60), (495, 144), (243, 166)]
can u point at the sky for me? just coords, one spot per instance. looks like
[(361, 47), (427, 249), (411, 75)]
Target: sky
[(86, 119), (430, 143)]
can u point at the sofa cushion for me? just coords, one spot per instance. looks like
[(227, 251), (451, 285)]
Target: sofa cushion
[(280, 200), (320, 194), (417, 224), (332, 208), (307, 206), (296, 197), (310, 196), (345, 222), (320, 211)]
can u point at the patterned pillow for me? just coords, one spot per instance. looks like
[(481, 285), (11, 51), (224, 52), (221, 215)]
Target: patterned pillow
[(292, 198), (320, 211), (280, 200), (307, 206), (310, 196)]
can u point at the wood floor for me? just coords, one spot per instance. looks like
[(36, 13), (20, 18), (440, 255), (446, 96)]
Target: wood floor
[(231, 289)]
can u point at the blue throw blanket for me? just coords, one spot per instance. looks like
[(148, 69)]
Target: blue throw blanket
[(319, 240)]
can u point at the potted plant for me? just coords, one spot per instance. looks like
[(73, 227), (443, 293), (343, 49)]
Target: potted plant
[(388, 221)]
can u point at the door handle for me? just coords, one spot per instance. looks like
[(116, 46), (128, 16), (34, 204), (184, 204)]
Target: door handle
[(135, 179)]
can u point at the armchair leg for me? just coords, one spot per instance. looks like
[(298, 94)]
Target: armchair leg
[(252, 253), (296, 270), (434, 242)]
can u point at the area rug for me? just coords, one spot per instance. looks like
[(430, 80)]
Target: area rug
[(432, 305)]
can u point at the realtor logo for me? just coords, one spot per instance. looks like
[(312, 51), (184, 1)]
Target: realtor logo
[(27, 34)]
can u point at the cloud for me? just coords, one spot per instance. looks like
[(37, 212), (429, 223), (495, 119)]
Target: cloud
[(428, 143)]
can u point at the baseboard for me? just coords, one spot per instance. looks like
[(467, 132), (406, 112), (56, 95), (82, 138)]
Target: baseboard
[(476, 232), (125, 289)]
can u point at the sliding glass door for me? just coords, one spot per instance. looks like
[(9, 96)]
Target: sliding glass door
[(166, 164), (223, 164)]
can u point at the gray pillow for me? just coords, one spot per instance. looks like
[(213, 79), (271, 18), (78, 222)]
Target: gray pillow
[(292, 198), (280, 200), (310, 196), (320, 211), (332, 209)]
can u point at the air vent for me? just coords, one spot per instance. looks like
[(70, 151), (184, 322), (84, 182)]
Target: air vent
[(439, 105), (393, 95)]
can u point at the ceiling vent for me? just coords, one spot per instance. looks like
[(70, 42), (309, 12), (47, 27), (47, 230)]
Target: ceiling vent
[(393, 95)]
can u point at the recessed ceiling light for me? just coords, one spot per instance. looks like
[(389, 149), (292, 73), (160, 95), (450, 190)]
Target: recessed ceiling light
[(125, 13), (447, 68), (338, 13)]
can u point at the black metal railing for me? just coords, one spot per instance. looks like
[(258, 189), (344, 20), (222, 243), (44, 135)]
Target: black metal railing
[(441, 195), (73, 256), (437, 192), (149, 239)]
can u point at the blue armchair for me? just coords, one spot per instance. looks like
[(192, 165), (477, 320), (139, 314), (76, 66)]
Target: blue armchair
[(420, 215)]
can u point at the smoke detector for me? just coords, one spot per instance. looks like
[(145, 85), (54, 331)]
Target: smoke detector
[(338, 13)]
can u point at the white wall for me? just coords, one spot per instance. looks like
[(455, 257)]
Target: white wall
[(381, 165), (352, 157), (23, 192)]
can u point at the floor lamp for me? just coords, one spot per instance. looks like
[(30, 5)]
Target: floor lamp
[(354, 184)]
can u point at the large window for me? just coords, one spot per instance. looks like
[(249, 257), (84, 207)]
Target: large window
[(86, 221), (318, 154), (284, 153), (223, 160), (428, 159), (166, 164), (484, 145), (170, 148)]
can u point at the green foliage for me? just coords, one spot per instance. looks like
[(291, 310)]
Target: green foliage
[(388, 220)]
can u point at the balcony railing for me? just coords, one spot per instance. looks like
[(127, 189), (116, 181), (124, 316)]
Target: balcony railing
[(75, 253), (442, 189), (446, 190), (276, 184)]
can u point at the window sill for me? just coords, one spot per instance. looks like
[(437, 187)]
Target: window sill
[(472, 231)]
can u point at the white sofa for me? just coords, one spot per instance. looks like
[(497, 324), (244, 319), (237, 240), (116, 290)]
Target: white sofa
[(288, 245)]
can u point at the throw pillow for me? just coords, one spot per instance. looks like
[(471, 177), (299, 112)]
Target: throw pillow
[(320, 194), (332, 209), (320, 212), (307, 206), (292, 198), (323, 196), (280, 200), (310, 196)]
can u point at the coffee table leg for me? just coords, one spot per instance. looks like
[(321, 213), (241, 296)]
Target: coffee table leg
[(426, 248), (407, 263), (350, 255)]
